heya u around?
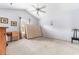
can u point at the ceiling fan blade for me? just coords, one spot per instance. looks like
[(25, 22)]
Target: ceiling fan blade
[(38, 13), (37, 5), (42, 7), (33, 10), (42, 11), (33, 6)]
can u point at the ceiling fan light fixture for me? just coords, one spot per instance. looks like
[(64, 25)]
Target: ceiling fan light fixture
[(11, 4)]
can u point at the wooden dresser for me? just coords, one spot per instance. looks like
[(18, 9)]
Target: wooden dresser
[(2, 40), (15, 36)]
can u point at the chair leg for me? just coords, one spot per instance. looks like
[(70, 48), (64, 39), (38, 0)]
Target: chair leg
[(78, 41), (71, 41)]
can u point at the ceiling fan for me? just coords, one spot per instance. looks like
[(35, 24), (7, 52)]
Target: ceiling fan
[(39, 9)]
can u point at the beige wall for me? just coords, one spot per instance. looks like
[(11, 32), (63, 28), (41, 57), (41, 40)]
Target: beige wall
[(33, 31)]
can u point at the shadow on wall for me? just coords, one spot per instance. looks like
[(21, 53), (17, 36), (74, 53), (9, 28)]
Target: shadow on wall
[(50, 32)]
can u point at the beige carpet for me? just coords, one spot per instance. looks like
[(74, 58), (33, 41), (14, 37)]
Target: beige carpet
[(42, 46)]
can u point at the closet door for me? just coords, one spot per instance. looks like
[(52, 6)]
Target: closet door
[(2, 41)]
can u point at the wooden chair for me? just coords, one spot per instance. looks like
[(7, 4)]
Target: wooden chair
[(9, 35)]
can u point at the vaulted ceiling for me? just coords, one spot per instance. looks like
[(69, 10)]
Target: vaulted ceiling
[(20, 6), (49, 6)]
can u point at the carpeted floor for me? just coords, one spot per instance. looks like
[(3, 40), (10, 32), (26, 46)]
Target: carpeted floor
[(42, 46)]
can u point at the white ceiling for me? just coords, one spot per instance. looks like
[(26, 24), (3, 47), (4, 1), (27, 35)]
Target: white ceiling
[(28, 6), (18, 6), (15, 5)]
